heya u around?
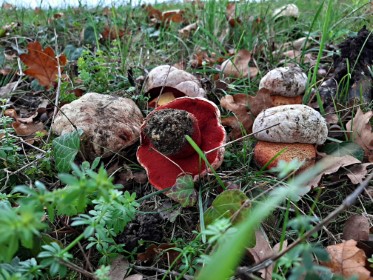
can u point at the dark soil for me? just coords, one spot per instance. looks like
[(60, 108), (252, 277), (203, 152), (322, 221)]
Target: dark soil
[(356, 56)]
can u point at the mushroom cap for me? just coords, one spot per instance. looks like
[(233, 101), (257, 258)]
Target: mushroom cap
[(162, 170), (109, 123), (265, 151), (172, 79), (288, 10), (297, 124), (285, 81)]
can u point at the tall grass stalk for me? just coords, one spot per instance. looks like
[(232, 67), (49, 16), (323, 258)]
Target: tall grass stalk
[(324, 38)]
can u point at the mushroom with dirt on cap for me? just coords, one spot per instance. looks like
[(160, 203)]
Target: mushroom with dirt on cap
[(299, 129), (164, 151)]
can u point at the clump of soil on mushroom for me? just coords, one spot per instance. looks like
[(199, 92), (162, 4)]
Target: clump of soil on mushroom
[(167, 129)]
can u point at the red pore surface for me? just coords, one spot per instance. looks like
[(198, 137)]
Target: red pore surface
[(162, 170)]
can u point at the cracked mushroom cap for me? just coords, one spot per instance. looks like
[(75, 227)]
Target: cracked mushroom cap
[(110, 123), (166, 79), (296, 124), (285, 85), (164, 152)]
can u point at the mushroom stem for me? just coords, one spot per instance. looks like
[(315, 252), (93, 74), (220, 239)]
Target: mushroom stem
[(167, 128)]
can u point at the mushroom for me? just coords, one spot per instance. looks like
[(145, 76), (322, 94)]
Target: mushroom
[(265, 151), (164, 151), (285, 85), (299, 129), (109, 123), (165, 83)]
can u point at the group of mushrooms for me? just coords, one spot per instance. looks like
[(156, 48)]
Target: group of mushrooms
[(181, 108)]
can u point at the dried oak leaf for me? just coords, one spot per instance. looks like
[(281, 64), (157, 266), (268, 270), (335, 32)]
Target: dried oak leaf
[(245, 108), (348, 260), (165, 251), (263, 251), (42, 64), (112, 33), (238, 67), (362, 132), (356, 228)]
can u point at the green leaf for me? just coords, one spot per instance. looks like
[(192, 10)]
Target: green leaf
[(226, 205), (65, 148), (183, 191), (344, 149)]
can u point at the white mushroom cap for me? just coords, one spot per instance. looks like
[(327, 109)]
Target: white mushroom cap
[(289, 10), (169, 76), (297, 124), (285, 81)]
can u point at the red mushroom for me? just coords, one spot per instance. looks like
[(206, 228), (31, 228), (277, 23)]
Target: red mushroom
[(164, 151)]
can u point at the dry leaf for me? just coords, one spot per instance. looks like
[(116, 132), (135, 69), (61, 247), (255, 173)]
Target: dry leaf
[(5, 91), (169, 255), (238, 67), (356, 228), (230, 14), (332, 165), (112, 33), (187, 30), (243, 120), (260, 252), (348, 260), (118, 268), (42, 64), (135, 277), (23, 129), (358, 172), (173, 15), (362, 132)]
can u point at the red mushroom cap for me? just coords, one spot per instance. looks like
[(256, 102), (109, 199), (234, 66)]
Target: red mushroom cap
[(163, 170)]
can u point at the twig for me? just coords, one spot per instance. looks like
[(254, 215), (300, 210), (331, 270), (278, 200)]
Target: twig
[(163, 271), (349, 200), (78, 269), (58, 90), (241, 138)]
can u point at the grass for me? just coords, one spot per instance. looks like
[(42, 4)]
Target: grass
[(116, 66)]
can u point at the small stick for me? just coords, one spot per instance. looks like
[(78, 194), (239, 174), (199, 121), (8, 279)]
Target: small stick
[(241, 138)]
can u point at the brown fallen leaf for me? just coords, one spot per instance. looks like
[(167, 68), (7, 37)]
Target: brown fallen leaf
[(238, 67), (187, 30), (348, 260), (362, 132), (332, 165), (358, 172), (164, 250), (230, 14), (262, 251), (112, 33), (27, 129), (6, 91), (173, 16), (243, 120), (118, 268), (42, 64), (356, 228), (135, 277)]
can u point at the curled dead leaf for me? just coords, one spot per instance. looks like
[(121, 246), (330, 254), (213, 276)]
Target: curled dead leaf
[(238, 67), (187, 30), (348, 260), (362, 132), (356, 228)]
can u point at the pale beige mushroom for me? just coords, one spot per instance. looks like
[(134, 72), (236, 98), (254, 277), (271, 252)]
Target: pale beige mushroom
[(165, 83), (109, 123), (296, 124)]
